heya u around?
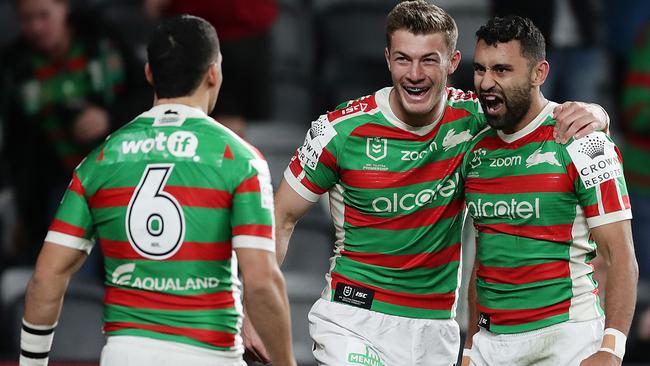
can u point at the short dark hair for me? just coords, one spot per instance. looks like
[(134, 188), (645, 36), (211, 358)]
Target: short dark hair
[(420, 17), (514, 27), (179, 53)]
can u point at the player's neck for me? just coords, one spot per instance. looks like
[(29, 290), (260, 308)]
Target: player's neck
[(190, 101), (538, 102)]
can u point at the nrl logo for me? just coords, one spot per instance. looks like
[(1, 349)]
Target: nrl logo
[(376, 148)]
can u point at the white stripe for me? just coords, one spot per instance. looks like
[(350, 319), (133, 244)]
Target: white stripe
[(619, 194), (69, 241), (236, 295), (253, 242), (298, 187), (583, 302), (337, 211), (599, 199), (609, 218)]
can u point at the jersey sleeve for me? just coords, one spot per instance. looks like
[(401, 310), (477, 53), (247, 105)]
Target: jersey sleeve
[(595, 165), (313, 170), (73, 225), (252, 209)]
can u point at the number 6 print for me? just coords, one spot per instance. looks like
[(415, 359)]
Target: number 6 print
[(155, 223)]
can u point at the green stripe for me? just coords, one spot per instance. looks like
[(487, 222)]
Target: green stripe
[(414, 281), (164, 337), (500, 250), (508, 329), (224, 320), (111, 224), (515, 297), (409, 312), (425, 239)]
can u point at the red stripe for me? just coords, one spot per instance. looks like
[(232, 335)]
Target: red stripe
[(591, 210), (554, 233), (541, 134), (358, 106), (265, 231), (329, 160), (200, 197), (76, 186), (77, 63), (296, 169), (65, 228), (378, 179), (159, 301), (551, 182), (46, 72), (213, 337), (417, 219), (638, 142), (525, 274), (111, 197), (251, 184), (407, 261), (641, 79), (189, 251), (186, 196), (427, 301), (609, 195), (515, 317)]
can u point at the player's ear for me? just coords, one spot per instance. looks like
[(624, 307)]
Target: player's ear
[(540, 72), (147, 74), (454, 61)]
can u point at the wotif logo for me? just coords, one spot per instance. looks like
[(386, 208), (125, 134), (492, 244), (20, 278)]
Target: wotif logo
[(409, 201), (181, 144), (512, 209)]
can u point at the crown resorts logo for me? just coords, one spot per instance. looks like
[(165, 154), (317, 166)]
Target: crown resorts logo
[(593, 147)]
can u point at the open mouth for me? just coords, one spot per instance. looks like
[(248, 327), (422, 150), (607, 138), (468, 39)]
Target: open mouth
[(415, 91), (493, 103)]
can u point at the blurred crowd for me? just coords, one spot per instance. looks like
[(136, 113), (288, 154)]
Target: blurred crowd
[(73, 74)]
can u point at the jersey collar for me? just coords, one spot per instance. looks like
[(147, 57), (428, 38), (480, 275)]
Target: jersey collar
[(532, 126)]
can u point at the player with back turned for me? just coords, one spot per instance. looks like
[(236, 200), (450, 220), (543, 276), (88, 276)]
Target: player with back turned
[(177, 203)]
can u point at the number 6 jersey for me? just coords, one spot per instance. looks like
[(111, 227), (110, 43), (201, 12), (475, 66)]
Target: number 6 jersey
[(168, 197)]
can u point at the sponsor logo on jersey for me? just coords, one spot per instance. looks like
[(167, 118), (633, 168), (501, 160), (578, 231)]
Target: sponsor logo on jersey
[(123, 275), (538, 157), (512, 209), (453, 139), (409, 201), (376, 148), (476, 159), (264, 178), (595, 159), (408, 155), (369, 358), (181, 144), (318, 136), (357, 107), (505, 162)]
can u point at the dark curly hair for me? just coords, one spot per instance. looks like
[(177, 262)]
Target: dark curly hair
[(514, 27)]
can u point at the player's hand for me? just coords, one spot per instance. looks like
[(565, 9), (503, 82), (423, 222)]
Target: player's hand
[(466, 361), (601, 358), (253, 345), (91, 124), (577, 119)]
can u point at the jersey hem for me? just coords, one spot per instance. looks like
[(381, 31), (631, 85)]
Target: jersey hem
[(69, 241), (295, 184), (609, 218), (253, 242)]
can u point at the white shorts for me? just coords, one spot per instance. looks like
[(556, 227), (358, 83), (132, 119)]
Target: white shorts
[(347, 335), (141, 351), (564, 344)]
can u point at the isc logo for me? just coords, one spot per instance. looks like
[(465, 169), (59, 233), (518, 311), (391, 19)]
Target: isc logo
[(181, 144)]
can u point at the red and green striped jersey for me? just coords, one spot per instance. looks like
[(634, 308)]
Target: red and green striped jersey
[(168, 197), (636, 113), (534, 202), (396, 202)]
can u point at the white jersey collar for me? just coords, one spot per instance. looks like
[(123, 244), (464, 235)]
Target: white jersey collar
[(532, 126), (382, 99)]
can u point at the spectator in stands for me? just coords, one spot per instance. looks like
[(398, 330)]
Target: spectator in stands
[(244, 30), (63, 83)]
